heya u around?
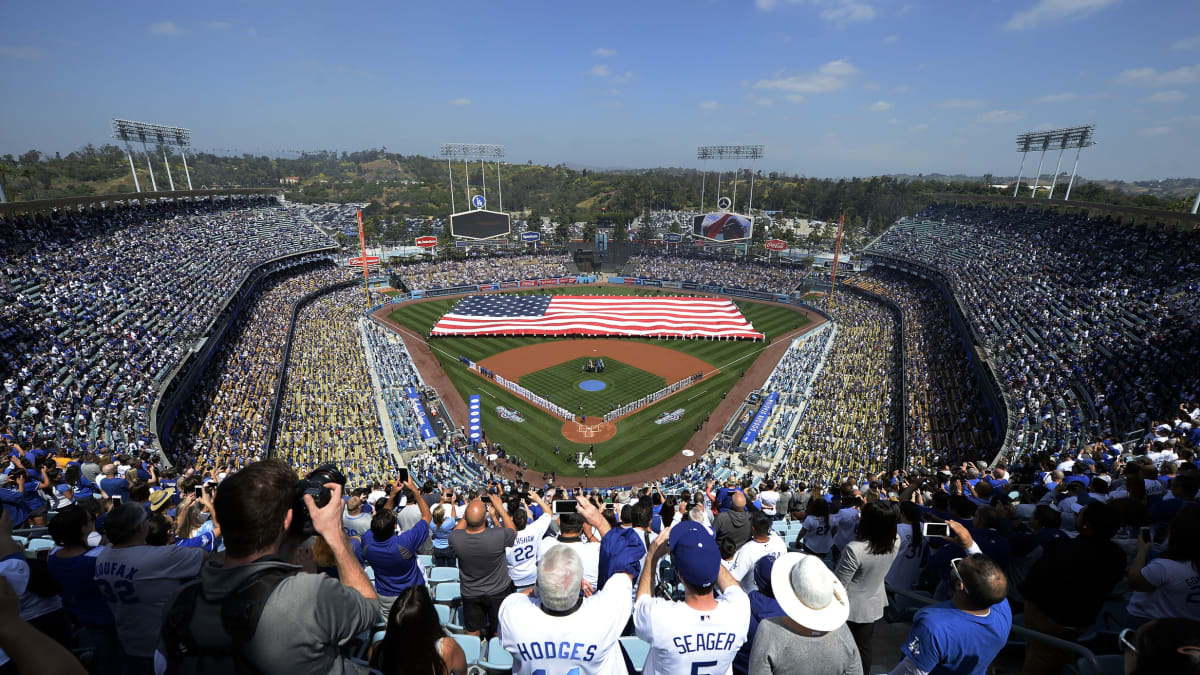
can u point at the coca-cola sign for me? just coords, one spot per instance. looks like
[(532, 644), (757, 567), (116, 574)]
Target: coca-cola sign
[(775, 244)]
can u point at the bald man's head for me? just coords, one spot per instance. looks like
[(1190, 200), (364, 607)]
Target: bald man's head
[(476, 514), (983, 581), (739, 501)]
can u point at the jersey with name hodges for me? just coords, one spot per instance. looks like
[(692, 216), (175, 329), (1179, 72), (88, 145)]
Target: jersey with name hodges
[(584, 642), (692, 641)]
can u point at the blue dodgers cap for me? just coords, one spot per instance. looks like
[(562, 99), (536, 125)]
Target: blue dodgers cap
[(621, 550), (762, 574), (695, 553)]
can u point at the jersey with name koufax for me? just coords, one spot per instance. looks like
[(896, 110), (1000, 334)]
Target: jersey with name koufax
[(523, 554), (584, 642), (692, 641)]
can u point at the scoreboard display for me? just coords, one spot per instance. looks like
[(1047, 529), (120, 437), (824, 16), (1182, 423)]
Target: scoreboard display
[(480, 224)]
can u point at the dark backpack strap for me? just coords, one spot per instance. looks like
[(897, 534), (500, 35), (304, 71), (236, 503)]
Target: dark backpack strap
[(241, 611), (177, 631)]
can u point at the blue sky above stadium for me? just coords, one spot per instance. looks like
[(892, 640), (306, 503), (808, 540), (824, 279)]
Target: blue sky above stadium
[(832, 87)]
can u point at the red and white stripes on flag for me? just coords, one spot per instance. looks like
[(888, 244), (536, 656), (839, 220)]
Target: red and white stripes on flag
[(715, 318)]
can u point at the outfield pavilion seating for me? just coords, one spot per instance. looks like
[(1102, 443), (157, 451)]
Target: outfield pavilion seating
[(100, 305), (1087, 318)]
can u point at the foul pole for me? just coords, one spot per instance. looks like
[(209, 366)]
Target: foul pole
[(362, 241), (837, 253)]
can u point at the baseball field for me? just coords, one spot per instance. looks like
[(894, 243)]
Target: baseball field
[(634, 367)]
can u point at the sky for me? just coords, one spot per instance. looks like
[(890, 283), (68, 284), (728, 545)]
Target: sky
[(830, 87)]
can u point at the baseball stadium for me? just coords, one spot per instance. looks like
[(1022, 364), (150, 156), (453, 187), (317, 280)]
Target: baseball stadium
[(607, 394)]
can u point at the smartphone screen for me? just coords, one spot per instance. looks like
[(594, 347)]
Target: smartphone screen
[(116, 500), (199, 491), (935, 529), (403, 477), (1146, 537), (565, 506)]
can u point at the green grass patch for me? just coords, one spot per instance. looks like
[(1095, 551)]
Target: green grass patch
[(639, 443), (560, 384)]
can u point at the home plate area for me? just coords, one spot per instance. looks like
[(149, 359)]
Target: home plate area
[(588, 433)]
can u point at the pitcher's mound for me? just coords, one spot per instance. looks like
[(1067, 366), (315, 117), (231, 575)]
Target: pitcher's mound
[(589, 433)]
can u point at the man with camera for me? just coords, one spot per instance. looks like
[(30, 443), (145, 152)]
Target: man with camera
[(256, 609)]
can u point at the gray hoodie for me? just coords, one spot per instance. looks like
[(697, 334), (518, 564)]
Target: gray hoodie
[(306, 619)]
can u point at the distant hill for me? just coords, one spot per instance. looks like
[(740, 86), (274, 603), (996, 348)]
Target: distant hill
[(1166, 188)]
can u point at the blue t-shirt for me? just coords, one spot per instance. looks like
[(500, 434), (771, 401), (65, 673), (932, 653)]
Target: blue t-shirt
[(762, 607), (115, 486), (30, 497), (945, 640), (394, 573), (441, 533), (81, 593), (204, 540)]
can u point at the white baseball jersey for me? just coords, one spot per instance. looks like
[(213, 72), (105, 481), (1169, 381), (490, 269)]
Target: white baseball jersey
[(522, 556), (584, 642), (355, 526), (137, 582), (589, 553), (748, 556), (846, 521), (691, 641)]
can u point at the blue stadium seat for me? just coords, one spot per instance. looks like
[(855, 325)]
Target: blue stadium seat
[(370, 572), (443, 574), (20, 540), (498, 659), (36, 545), (470, 647), (637, 651), (425, 561), (443, 612), (447, 593)]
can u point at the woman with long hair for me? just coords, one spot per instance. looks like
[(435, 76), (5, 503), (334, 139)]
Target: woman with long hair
[(906, 568), (415, 642), (862, 567), (1164, 585), (816, 534)]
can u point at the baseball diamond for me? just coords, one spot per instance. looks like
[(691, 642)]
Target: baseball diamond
[(732, 369)]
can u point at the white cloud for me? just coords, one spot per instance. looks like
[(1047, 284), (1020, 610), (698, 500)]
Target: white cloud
[(829, 77), (1187, 43), (794, 98), (1057, 98), (1000, 116), (881, 106), (599, 70), (22, 53), (1154, 131), (1169, 96), (1050, 11), (623, 78), (916, 128), (766, 5), (848, 11), (218, 25), (709, 105), (891, 39), (961, 103), (601, 51), (164, 28), (461, 101), (1152, 77)]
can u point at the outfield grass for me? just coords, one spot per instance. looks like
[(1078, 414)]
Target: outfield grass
[(560, 385), (639, 442)]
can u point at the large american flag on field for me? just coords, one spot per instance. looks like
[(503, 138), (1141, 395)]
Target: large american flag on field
[(596, 315)]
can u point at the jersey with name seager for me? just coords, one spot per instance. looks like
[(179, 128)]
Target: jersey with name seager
[(691, 641), (584, 642), (523, 554)]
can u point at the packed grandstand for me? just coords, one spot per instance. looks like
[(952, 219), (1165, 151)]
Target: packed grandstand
[(171, 371)]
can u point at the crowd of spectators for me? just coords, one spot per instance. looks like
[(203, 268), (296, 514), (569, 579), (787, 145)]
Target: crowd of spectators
[(482, 270), (849, 427), (328, 411), (735, 274), (396, 372), (944, 413), (228, 415), (1091, 322), (99, 305)]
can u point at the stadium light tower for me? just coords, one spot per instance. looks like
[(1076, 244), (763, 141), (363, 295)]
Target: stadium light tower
[(1055, 139), (720, 152), (468, 151), (145, 132)]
